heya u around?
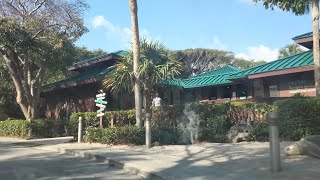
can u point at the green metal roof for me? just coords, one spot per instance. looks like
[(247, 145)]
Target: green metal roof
[(214, 77), (79, 78), (306, 35), (223, 70), (119, 54), (206, 81), (298, 60)]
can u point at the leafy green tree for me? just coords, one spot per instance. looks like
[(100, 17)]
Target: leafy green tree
[(34, 34), (244, 63), (289, 50), (200, 60), (156, 66), (300, 7)]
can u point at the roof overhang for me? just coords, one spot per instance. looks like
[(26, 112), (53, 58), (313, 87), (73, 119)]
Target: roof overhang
[(72, 84), (281, 72), (305, 42), (72, 68)]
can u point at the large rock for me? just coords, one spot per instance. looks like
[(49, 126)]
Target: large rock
[(239, 132), (309, 145)]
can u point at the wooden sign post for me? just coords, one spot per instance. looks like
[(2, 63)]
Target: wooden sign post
[(102, 105)]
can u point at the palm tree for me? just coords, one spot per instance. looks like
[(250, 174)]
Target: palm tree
[(136, 60), (288, 50), (155, 67), (300, 7)]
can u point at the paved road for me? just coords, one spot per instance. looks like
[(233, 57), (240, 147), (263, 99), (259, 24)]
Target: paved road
[(18, 162)]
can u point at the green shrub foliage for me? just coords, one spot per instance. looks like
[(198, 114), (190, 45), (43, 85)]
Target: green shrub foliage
[(299, 117), (260, 132), (14, 128), (47, 128)]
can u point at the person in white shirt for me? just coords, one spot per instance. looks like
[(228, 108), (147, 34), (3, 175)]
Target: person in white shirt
[(156, 102)]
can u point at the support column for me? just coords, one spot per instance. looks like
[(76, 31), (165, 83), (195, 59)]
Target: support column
[(234, 92), (250, 90), (176, 96), (219, 93)]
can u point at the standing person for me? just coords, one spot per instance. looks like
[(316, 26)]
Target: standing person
[(156, 102)]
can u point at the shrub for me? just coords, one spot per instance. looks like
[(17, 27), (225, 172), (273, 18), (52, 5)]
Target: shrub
[(299, 117), (116, 135), (260, 132), (131, 135), (47, 128), (89, 120), (14, 128), (215, 130), (122, 118)]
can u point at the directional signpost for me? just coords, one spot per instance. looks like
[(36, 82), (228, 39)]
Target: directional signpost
[(101, 104)]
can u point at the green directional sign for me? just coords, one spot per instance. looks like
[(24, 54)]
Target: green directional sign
[(100, 101)]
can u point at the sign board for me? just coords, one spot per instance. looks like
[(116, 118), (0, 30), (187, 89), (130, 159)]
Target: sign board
[(100, 103), (274, 91)]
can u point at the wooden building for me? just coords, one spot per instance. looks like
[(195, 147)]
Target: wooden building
[(281, 78)]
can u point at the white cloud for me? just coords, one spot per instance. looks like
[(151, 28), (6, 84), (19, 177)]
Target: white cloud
[(218, 44), (117, 33), (260, 52)]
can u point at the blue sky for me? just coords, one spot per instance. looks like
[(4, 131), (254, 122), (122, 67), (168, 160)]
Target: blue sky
[(249, 30)]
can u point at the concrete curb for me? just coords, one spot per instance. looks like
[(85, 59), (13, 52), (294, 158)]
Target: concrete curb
[(110, 161)]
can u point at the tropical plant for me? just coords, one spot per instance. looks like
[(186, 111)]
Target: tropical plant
[(290, 49), (300, 7), (156, 66), (136, 60)]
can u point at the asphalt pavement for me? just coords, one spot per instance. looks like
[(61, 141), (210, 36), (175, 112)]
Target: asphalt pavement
[(23, 163)]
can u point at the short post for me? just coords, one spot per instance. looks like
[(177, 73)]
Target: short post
[(148, 130), (112, 121), (274, 141), (101, 121), (80, 130)]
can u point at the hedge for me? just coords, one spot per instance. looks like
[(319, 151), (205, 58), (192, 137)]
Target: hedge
[(132, 135), (14, 128), (40, 128), (299, 117)]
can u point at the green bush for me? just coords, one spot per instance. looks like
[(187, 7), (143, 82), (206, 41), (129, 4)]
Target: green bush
[(14, 128), (122, 118), (131, 135), (116, 135), (215, 130), (260, 132), (89, 120), (47, 128), (299, 117)]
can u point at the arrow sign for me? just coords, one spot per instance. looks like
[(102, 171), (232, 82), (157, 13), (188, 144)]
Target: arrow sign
[(101, 106), (100, 114), (100, 101), (101, 95)]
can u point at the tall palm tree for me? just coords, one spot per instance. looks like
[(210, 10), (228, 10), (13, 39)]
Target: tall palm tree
[(300, 7), (289, 50), (136, 60), (156, 66)]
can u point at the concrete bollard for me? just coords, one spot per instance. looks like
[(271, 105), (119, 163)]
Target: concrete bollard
[(148, 130), (274, 141), (80, 130)]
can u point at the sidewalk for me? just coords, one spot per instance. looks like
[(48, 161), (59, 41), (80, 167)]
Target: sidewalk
[(200, 161)]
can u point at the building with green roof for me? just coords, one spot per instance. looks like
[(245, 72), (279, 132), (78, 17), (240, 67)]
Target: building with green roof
[(77, 93), (280, 78)]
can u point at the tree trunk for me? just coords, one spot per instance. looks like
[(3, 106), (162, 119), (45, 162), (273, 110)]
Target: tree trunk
[(28, 87), (136, 59), (315, 23)]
